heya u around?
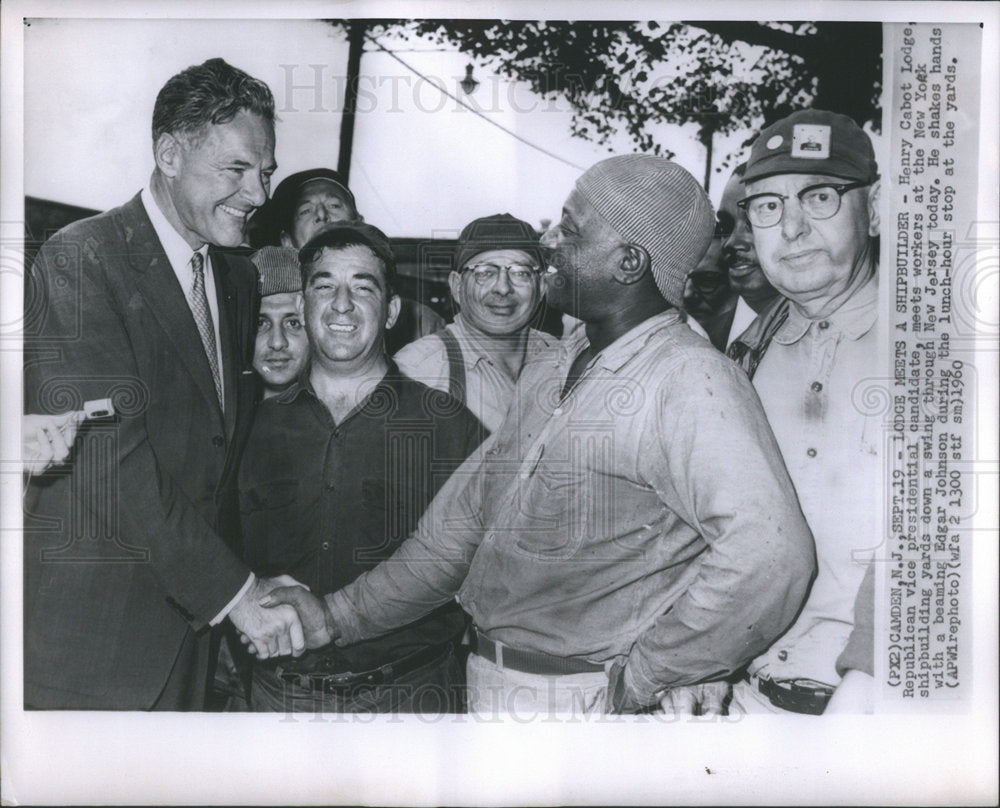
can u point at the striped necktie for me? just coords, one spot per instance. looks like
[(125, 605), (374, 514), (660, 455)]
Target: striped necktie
[(203, 318)]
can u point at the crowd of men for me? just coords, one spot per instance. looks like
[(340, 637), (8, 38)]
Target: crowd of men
[(314, 495)]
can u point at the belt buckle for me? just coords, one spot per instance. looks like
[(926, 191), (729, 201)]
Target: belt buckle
[(795, 695), (813, 689)]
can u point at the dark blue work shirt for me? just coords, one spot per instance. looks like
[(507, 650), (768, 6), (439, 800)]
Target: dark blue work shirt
[(324, 502)]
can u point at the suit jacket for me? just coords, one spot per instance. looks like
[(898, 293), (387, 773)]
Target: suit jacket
[(133, 542)]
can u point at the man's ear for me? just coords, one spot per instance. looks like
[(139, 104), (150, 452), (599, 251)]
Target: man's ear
[(874, 219), (168, 152), (286, 240), (633, 266), (393, 315), (455, 285)]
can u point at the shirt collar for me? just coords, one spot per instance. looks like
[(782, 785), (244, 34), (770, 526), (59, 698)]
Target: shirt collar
[(474, 349), (623, 349), (178, 251), (303, 385), (853, 319)]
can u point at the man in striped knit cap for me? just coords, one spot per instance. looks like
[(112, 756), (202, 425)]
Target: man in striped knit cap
[(630, 529)]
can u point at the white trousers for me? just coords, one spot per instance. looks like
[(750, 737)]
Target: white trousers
[(495, 692)]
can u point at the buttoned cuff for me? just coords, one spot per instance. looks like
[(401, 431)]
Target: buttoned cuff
[(251, 580), (344, 619)]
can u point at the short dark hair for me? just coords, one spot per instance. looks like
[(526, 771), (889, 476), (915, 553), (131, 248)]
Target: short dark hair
[(342, 236), (213, 92)]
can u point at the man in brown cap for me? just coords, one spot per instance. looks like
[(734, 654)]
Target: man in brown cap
[(811, 198), (603, 540), (497, 285), (281, 350)]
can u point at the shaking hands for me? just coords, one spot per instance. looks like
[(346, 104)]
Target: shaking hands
[(283, 617)]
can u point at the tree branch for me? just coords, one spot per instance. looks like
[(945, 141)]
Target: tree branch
[(754, 33)]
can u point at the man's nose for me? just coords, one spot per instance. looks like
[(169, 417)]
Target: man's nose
[(794, 222), (501, 285), (276, 340), (254, 188), (322, 214), (342, 300), (739, 240)]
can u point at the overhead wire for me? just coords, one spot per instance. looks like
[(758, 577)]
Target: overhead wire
[(471, 108)]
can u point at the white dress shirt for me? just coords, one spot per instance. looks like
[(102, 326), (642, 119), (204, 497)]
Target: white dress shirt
[(179, 254)]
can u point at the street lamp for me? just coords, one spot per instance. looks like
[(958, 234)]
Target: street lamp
[(468, 84)]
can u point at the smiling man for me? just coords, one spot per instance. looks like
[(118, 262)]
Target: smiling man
[(746, 278), (497, 285), (309, 201), (812, 193), (133, 560), (337, 471)]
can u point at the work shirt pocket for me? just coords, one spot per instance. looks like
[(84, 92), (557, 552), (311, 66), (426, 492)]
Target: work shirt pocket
[(271, 518)]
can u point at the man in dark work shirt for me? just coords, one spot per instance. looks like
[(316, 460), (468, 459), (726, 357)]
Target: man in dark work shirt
[(337, 472)]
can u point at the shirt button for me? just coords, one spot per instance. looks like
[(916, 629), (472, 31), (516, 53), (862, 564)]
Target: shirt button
[(325, 545), (811, 452), (218, 440), (824, 324), (783, 656), (329, 486), (816, 387)]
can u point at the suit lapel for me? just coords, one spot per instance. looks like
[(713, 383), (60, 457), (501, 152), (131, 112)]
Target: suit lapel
[(164, 297)]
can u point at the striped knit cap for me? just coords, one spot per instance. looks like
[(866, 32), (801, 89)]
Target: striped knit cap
[(655, 204), (277, 270)]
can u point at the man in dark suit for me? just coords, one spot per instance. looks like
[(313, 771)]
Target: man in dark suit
[(131, 548)]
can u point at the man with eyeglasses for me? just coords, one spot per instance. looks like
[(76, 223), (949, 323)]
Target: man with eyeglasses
[(812, 194), (497, 285)]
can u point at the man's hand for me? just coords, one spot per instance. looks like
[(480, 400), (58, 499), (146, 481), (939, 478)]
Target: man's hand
[(267, 632), (46, 440), (708, 698), (317, 622)]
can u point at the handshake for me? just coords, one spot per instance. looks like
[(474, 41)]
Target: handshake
[(279, 616)]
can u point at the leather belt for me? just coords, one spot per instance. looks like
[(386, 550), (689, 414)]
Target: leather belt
[(794, 696), (334, 683), (529, 661)]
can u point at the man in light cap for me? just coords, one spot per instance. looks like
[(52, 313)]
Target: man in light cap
[(282, 346), (603, 540), (812, 200), (497, 285)]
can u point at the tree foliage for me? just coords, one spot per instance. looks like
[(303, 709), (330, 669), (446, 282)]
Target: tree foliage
[(634, 77)]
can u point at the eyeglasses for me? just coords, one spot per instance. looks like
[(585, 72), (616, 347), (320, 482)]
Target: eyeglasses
[(818, 201), (487, 274)]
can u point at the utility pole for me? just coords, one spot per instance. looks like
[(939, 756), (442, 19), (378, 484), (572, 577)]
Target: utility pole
[(706, 135), (356, 40)]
